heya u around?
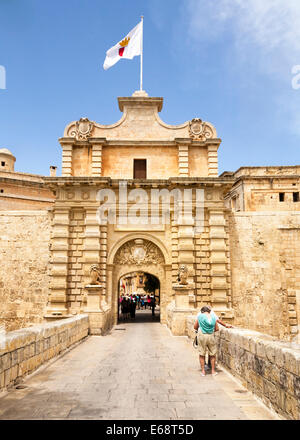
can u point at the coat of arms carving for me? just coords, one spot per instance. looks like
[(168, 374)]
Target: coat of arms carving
[(139, 252), (200, 130), (83, 129)]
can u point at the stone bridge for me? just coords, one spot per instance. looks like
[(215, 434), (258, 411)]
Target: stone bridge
[(141, 371)]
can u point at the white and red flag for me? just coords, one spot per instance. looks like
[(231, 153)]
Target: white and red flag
[(129, 47)]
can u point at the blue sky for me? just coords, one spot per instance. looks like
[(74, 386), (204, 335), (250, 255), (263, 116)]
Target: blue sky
[(228, 62)]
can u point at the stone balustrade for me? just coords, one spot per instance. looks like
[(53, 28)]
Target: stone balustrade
[(23, 351), (267, 367)]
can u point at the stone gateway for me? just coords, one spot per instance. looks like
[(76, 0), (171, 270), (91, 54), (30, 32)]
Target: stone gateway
[(141, 208), (143, 197), (165, 158)]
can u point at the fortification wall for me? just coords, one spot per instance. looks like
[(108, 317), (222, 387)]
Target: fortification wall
[(269, 368), (23, 351), (265, 272), (24, 277)]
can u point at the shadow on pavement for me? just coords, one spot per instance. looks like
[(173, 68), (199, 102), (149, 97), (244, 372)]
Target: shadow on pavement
[(142, 316)]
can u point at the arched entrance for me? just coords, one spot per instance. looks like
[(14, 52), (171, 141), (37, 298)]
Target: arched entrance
[(140, 254), (141, 292)]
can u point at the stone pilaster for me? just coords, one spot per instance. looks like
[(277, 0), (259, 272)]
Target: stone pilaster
[(218, 260), (183, 160), (91, 242), (228, 277), (166, 293), (114, 292), (186, 254), (174, 237), (186, 232), (212, 158), (76, 272), (202, 266), (96, 160), (59, 262), (67, 152), (103, 261)]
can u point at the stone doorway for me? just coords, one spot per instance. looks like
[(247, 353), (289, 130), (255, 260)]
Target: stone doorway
[(142, 288), (139, 254)]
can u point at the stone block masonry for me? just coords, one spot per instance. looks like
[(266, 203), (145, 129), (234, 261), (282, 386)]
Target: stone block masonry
[(269, 368), (265, 272), (24, 350), (24, 268)]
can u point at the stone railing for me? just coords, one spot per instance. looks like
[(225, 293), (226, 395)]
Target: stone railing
[(23, 351), (267, 367)]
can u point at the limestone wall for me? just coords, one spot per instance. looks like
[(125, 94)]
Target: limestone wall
[(270, 369), (118, 162), (20, 191), (265, 272), (267, 367), (23, 351), (24, 256)]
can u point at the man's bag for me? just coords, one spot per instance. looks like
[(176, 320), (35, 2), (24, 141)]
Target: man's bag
[(195, 342)]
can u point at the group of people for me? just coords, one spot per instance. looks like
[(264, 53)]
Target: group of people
[(129, 304), (207, 322)]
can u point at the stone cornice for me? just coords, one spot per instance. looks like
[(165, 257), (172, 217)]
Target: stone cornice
[(20, 182), (138, 142), (72, 141), (216, 182), (271, 177), (24, 197), (197, 143), (140, 100)]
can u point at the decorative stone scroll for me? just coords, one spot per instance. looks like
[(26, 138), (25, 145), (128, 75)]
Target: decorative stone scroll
[(139, 252), (200, 130), (83, 129)]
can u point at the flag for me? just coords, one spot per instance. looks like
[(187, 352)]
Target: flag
[(128, 47)]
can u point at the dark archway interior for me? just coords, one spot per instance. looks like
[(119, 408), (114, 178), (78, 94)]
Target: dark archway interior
[(138, 298)]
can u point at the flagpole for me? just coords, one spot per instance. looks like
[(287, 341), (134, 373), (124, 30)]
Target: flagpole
[(141, 69)]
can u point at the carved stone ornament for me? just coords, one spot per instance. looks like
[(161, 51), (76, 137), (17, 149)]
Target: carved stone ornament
[(83, 129), (94, 275), (200, 130), (183, 275), (139, 252)]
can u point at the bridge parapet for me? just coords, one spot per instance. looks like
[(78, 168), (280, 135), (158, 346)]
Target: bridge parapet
[(268, 367), (23, 351)]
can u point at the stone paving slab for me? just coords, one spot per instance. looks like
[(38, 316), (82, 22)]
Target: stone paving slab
[(141, 373)]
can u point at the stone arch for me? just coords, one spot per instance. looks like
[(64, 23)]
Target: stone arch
[(140, 252), (146, 271), (143, 236)]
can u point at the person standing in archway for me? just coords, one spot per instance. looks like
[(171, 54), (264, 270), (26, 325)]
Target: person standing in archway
[(125, 308), (153, 305), (132, 307)]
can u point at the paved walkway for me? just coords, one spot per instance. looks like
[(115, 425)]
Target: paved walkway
[(138, 371)]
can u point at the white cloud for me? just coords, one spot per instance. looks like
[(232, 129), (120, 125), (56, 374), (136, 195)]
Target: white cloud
[(272, 26), (264, 34)]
